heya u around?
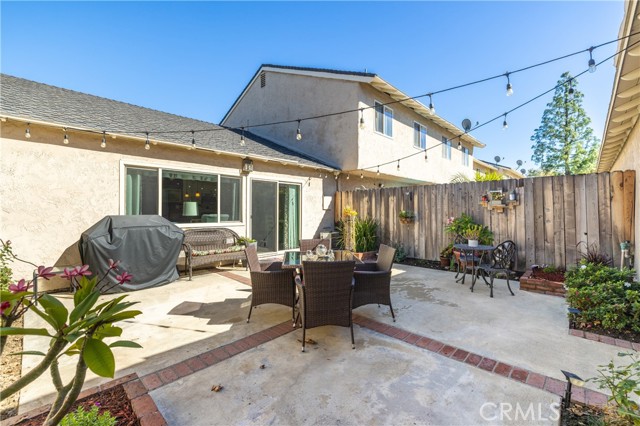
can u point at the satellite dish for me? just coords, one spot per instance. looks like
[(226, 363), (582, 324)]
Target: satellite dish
[(519, 163), (497, 158), (523, 171), (466, 124)]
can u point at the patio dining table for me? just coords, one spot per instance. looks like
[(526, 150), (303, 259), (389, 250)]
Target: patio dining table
[(472, 252), (294, 259)]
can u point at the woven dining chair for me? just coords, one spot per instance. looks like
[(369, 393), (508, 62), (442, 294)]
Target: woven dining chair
[(270, 283), (325, 296), (372, 281), (311, 244)]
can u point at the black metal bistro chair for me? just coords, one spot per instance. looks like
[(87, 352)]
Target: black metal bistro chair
[(502, 261)]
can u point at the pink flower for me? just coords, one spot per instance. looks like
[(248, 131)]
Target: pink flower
[(112, 264), (45, 272), (69, 274), (20, 286), (82, 270), (4, 306), (124, 278)]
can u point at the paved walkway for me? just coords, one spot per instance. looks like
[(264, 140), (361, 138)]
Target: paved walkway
[(453, 357)]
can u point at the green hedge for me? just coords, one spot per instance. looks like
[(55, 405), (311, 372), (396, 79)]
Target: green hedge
[(606, 297)]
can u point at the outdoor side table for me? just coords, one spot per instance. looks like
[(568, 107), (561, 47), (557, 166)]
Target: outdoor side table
[(469, 253)]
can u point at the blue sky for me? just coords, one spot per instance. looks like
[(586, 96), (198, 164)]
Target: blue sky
[(194, 58)]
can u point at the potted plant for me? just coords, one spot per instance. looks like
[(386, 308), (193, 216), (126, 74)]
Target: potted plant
[(407, 216), (472, 234), (445, 255), (366, 238), (247, 242), (496, 197)]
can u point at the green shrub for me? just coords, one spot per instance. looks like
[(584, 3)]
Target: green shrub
[(400, 255), (622, 381), (366, 234), (605, 296), (88, 418)]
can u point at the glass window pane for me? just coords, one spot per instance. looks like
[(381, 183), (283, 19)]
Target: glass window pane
[(264, 214), (379, 117), (230, 199), (416, 135), (189, 197), (423, 137), (388, 122), (141, 192)]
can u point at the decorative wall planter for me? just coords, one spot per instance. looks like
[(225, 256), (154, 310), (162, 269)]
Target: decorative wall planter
[(542, 286), (407, 220)]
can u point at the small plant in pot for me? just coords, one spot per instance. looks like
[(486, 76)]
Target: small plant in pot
[(472, 234), (247, 242), (407, 216), (445, 255)]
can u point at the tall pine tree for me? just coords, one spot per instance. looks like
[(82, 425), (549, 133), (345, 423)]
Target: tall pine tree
[(564, 142)]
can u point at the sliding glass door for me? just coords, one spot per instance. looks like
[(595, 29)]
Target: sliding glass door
[(275, 215)]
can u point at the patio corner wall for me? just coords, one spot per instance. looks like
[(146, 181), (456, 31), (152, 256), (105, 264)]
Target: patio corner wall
[(556, 218)]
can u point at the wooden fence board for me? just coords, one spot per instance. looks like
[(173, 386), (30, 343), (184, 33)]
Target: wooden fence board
[(553, 214)]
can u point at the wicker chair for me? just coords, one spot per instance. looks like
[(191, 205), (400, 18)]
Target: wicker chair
[(313, 243), (325, 295), (373, 280), (270, 283), (503, 258)]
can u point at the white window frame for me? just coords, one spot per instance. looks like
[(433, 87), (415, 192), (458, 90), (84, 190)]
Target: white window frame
[(465, 156), (446, 148), (385, 128), (421, 134)]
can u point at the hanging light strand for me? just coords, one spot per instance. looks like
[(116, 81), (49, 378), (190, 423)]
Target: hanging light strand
[(65, 140), (27, 132), (147, 145), (298, 132), (242, 142), (509, 86), (103, 144), (193, 139)]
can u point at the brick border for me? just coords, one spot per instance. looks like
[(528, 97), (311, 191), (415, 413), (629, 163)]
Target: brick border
[(522, 375), (605, 339), (143, 405)]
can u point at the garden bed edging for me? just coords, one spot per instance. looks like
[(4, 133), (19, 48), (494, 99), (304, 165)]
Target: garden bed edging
[(542, 286)]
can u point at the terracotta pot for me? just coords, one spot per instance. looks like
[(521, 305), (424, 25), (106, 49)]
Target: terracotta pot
[(445, 261), (406, 220), (367, 255)]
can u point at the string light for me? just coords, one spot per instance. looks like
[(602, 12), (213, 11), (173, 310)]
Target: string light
[(505, 126), (104, 140), (592, 62), (398, 168), (432, 109), (361, 175), (459, 145), (348, 176), (509, 86), (27, 132), (378, 172), (147, 146), (242, 142), (298, 133), (66, 137), (362, 119), (426, 157), (193, 140)]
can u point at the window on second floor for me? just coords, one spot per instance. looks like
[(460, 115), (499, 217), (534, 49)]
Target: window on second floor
[(465, 156), (446, 148), (419, 136), (384, 119)]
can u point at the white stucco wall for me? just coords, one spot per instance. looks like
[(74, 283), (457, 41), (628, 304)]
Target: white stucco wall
[(51, 192), (630, 160)]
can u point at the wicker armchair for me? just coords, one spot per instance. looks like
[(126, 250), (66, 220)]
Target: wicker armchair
[(373, 280), (313, 243), (503, 258), (270, 283), (325, 295)]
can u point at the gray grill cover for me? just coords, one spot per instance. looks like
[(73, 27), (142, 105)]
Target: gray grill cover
[(147, 247)]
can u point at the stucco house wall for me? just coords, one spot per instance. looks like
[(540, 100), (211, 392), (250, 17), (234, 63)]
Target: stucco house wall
[(51, 192)]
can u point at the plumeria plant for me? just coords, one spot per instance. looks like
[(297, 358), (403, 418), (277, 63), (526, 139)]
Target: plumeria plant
[(80, 332)]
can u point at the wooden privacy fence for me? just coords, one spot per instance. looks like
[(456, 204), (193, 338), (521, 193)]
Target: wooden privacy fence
[(555, 219)]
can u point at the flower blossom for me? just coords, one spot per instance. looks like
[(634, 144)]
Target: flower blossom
[(18, 287), (627, 285), (68, 274), (113, 264), (45, 272), (4, 306), (82, 270), (125, 277)]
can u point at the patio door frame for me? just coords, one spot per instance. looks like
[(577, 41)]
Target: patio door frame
[(277, 204)]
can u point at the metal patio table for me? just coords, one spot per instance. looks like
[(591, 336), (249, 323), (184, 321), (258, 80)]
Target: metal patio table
[(471, 253)]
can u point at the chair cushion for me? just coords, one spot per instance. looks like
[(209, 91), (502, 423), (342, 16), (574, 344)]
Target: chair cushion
[(231, 249)]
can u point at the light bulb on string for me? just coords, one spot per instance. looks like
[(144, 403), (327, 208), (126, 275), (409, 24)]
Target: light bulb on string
[(147, 146), (459, 146), (592, 62), (298, 132), (27, 132), (361, 175), (242, 142), (432, 109), (378, 172), (426, 157), (505, 125), (398, 167), (348, 175), (362, 119), (193, 140), (509, 86), (66, 137), (104, 140)]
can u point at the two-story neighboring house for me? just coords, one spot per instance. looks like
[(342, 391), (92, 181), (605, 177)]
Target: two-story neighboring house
[(383, 126)]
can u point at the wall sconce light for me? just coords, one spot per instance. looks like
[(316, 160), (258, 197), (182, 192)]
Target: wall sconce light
[(247, 165), (572, 379)]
